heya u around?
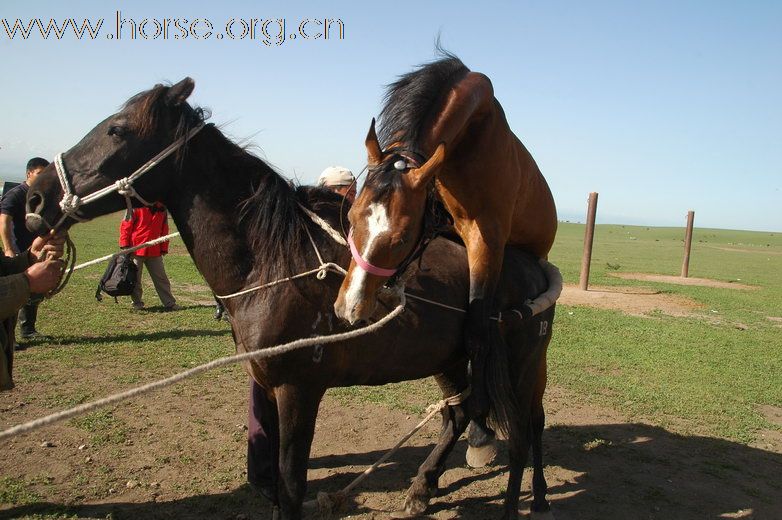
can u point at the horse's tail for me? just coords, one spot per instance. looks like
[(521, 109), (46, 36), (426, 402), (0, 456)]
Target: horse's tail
[(505, 413)]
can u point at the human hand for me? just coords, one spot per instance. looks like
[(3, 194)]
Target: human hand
[(44, 276), (49, 246)]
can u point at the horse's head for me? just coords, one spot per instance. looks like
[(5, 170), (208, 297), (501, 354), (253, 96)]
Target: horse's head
[(386, 223), (113, 150)]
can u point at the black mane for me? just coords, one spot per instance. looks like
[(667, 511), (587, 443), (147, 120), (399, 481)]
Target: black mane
[(409, 104), (269, 218)]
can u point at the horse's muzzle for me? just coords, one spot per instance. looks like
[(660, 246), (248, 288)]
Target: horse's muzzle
[(354, 312)]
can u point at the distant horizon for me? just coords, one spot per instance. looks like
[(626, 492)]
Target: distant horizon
[(570, 217)]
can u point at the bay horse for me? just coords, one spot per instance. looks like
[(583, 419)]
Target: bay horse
[(442, 129), (242, 224)]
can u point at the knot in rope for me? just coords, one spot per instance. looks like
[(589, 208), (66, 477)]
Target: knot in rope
[(70, 203), (322, 272), (124, 187)]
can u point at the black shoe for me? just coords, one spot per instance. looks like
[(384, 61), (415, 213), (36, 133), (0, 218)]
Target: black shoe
[(30, 335), (19, 346)]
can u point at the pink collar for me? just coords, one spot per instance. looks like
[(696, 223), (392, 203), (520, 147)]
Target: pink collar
[(363, 264)]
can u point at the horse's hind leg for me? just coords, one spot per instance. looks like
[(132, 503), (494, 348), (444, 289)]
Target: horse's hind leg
[(540, 509), (425, 482), (482, 444), (518, 450)]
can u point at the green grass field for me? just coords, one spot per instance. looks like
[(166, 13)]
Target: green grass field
[(704, 375)]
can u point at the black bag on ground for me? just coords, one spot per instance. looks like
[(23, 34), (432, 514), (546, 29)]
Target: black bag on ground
[(119, 278)]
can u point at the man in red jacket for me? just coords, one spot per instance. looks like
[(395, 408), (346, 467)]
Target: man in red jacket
[(145, 224)]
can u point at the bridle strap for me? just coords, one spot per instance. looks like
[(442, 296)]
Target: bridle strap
[(363, 264), (71, 202)]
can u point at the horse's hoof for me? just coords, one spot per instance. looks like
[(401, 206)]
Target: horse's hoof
[(414, 507), (482, 456)]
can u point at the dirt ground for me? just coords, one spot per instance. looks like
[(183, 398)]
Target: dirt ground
[(177, 462), (636, 301), (678, 280)]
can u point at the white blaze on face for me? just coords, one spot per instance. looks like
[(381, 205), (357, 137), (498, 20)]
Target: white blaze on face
[(377, 225)]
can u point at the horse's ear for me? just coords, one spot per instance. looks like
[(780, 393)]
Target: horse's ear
[(179, 93), (421, 176), (374, 153)]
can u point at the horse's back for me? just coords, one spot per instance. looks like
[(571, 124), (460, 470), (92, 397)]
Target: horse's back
[(522, 278)]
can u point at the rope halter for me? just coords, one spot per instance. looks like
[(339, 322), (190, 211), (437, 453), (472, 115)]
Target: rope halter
[(71, 203)]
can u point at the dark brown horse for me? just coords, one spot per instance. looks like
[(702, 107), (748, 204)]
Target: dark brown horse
[(443, 130), (243, 224)]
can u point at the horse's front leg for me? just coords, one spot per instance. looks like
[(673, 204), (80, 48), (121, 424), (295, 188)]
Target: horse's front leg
[(424, 484), (481, 334), (297, 409)]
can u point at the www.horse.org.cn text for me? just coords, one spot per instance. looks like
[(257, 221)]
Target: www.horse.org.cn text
[(269, 32)]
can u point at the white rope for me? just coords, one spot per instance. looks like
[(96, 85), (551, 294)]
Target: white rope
[(333, 233), (319, 271), (328, 266), (165, 238), (228, 360), (71, 202), (328, 502)]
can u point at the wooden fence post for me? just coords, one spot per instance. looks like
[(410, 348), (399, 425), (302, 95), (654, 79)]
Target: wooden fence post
[(687, 244), (589, 235)]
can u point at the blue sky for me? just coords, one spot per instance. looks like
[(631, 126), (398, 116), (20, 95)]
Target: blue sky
[(661, 107)]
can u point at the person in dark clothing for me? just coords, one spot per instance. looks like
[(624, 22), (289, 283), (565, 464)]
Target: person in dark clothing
[(16, 239), (35, 270), (262, 444)]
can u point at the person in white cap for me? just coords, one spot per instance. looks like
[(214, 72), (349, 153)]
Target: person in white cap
[(340, 180)]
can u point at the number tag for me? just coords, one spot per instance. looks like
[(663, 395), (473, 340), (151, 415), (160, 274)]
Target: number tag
[(543, 328)]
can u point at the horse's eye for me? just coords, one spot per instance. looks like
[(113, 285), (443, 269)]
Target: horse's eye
[(400, 165), (118, 131)]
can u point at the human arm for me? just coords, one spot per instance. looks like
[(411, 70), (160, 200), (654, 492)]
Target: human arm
[(126, 232), (14, 292), (7, 235), (48, 246), (14, 285), (25, 274)]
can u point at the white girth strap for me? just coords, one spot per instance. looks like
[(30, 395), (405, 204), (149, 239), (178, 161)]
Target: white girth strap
[(71, 202)]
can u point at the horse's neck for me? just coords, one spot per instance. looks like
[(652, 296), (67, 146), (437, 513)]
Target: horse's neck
[(219, 253), (205, 209)]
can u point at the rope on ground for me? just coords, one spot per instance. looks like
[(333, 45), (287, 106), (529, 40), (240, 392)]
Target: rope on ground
[(228, 360), (327, 503), (128, 250)]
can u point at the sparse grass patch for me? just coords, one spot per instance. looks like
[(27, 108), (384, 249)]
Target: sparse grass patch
[(103, 427), (15, 491)]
